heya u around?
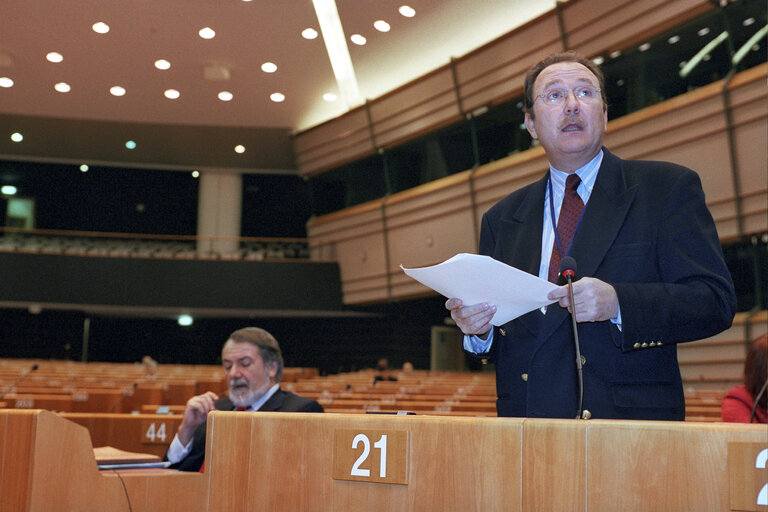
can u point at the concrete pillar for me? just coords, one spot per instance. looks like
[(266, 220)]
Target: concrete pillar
[(218, 212)]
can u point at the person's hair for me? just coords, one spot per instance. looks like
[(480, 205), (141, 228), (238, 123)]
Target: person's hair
[(269, 349), (756, 368), (569, 56)]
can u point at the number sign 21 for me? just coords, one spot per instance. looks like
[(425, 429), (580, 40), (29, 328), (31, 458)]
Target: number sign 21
[(371, 455)]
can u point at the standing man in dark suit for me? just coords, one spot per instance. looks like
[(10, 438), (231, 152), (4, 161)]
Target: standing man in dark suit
[(254, 366), (650, 270)]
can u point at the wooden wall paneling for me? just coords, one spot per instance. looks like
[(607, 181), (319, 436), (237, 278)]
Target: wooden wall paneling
[(426, 226), (597, 26), (355, 238), (749, 103), (661, 466), (496, 180), (691, 131), (554, 465), (496, 71), (423, 104), (339, 140)]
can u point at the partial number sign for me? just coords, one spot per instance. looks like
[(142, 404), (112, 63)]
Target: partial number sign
[(371, 455), (748, 472)]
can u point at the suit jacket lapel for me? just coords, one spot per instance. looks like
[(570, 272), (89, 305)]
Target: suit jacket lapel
[(603, 217), (275, 402)]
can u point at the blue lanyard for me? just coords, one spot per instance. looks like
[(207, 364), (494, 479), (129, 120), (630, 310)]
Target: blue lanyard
[(552, 219)]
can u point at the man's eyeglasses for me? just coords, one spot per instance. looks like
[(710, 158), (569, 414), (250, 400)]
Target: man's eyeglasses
[(583, 93)]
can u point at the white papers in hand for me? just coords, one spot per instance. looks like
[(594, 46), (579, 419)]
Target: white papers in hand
[(475, 279)]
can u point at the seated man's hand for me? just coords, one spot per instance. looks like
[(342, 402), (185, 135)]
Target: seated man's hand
[(195, 414), (472, 320), (595, 300)]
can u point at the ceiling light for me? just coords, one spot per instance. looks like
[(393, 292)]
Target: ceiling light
[(747, 22), (277, 97), (117, 91), (358, 39), (598, 60), (644, 47), (172, 94), (162, 64), (62, 87), (185, 320), (17, 137), (703, 31), (620, 82), (54, 57), (269, 67), (673, 39), (8, 190), (84, 168), (195, 174), (615, 54), (100, 27), (309, 33), (6, 82), (381, 26), (407, 11), (130, 144), (226, 96), (207, 33), (330, 97), (239, 149)]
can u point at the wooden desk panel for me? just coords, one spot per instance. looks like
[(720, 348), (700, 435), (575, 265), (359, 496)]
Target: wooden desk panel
[(289, 459), (129, 431), (47, 464)]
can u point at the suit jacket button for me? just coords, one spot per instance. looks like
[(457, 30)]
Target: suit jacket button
[(652, 344), (524, 377), (484, 361), (583, 360), (636, 345), (644, 345), (658, 344)]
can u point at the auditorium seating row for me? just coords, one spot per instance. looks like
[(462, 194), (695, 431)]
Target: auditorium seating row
[(55, 243)]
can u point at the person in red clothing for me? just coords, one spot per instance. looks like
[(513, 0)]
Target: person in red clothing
[(739, 402)]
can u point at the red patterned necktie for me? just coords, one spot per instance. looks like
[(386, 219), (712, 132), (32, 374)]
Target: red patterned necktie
[(570, 213)]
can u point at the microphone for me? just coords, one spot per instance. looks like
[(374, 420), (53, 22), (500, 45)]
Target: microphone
[(13, 386), (122, 397), (568, 271)]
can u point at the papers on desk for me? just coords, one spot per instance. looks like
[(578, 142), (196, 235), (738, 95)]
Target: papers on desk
[(475, 279), (108, 457)]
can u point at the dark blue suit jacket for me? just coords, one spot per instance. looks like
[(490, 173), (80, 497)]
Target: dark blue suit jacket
[(646, 230), (281, 401)]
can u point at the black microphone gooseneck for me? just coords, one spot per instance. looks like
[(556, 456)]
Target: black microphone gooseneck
[(568, 271), (122, 397), (13, 386)]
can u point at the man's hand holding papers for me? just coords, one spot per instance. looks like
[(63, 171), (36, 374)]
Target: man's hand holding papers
[(486, 285)]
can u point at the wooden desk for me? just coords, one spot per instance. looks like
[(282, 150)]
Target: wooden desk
[(47, 464), (284, 462)]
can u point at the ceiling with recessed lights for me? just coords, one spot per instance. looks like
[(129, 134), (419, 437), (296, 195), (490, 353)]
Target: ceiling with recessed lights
[(232, 63)]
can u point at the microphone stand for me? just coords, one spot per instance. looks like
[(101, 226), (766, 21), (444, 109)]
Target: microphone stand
[(580, 413)]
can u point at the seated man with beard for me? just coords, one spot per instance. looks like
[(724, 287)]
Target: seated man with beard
[(254, 366)]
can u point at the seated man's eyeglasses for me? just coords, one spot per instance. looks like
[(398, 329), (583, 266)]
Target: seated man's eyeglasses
[(583, 93)]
